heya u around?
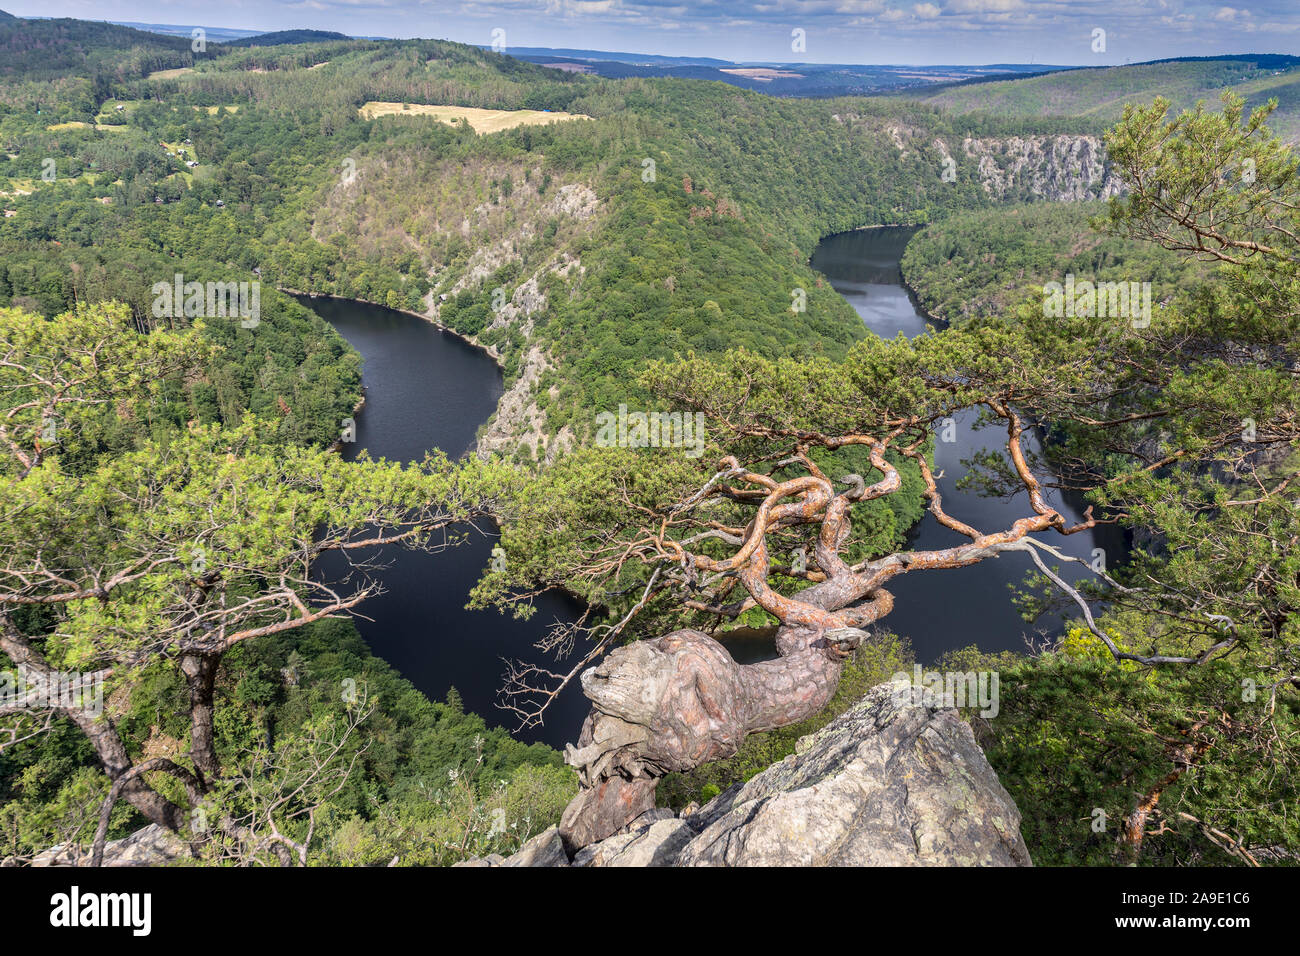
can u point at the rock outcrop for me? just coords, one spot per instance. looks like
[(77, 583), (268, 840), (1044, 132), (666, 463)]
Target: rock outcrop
[(1059, 168), (892, 782), (151, 846)]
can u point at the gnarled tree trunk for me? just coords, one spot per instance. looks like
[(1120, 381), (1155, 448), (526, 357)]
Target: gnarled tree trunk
[(679, 701), (200, 670), (675, 702)]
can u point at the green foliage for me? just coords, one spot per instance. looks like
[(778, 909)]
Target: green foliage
[(986, 262), (399, 800), (151, 516), (1217, 186), (1078, 741)]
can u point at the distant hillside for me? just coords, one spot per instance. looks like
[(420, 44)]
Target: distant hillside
[(214, 34), (1101, 92), (283, 37), (38, 50), (808, 80), (613, 56)]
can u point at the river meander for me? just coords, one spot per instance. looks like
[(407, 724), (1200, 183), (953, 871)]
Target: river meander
[(427, 388)]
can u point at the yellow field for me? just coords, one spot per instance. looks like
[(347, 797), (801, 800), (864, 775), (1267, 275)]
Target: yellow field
[(77, 124), (170, 74), (482, 121)]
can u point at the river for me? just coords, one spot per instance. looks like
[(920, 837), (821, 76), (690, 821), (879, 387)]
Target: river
[(942, 610), (427, 388)]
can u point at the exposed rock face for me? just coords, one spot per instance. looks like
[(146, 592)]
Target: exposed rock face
[(520, 419), (889, 783), (545, 849), (1060, 168), (151, 846), (659, 843)]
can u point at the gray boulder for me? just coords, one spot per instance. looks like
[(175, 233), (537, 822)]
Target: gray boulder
[(545, 849), (892, 782), (150, 846)]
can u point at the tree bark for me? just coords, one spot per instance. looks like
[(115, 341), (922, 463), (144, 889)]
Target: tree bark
[(200, 670), (116, 763), (678, 701), (101, 733)]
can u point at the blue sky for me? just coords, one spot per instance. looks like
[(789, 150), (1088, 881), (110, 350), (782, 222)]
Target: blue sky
[(843, 31)]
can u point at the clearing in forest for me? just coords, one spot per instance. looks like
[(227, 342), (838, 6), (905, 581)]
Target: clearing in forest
[(482, 121)]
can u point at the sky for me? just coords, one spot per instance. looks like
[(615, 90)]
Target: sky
[(832, 31)]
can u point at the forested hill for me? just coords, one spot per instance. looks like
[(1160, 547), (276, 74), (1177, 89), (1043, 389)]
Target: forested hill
[(583, 227), (680, 217), (985, 262), (1099, 94), (46, 49), (283, 37)]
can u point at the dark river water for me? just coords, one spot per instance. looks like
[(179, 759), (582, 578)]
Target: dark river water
[(427, 389), (942, 610)]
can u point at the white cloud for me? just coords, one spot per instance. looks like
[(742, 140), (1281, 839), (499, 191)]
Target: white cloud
[(983, 6), (926, 11), (853, 7)]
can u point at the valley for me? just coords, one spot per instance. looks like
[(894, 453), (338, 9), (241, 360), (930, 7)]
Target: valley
[(380, 548)]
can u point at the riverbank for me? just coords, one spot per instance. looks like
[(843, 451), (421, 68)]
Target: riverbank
[(489, 350), (944, 610), (338, 443)]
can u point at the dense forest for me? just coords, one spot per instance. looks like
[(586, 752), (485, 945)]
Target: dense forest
[(987, 262), (168, 479), (1099, 95)]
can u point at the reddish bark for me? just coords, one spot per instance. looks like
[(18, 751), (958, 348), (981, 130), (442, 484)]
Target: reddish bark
[(675, 702)]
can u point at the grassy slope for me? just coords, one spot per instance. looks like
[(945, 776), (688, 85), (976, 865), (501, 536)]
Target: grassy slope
[(482, 121)]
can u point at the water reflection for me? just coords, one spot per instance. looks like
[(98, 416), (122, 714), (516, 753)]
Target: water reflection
[(427, 389), (943, 610)]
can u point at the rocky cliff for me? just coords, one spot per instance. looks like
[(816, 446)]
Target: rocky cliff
[(151, 846), (1059, 168), (891, 782)]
